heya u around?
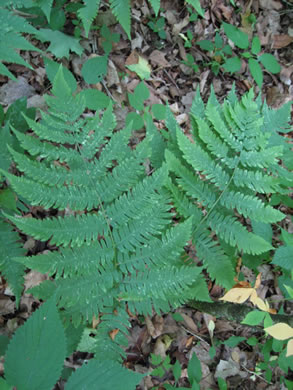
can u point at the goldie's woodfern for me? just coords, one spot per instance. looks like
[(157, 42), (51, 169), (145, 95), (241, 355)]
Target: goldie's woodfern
[(113, 227), (221, 174)]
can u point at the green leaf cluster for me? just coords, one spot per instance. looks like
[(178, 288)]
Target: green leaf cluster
[(223, 57)]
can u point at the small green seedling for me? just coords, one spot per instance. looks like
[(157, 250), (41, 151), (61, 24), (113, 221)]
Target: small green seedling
[(158, 25), (223, 58)]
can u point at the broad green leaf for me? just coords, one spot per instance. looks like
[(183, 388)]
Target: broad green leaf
[(177, 370), (263, 230), (237, 36), (4, 385), (94, 69), (205, 44), (8, 199), (218, 41), (159, 111), (233, 341), (287, 237), (255, 46), (284, 257), (95, 99), (57, 19), (103, 375), (142, 68), (136, 119), (4, 341), (35, 355), (255, 317), (52, 69), (255, 71), (60, 44), (140, 94), (232, 65), (270, 63), (194, 369)]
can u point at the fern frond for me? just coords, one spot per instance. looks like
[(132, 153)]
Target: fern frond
[(202, 162), (152, 286), (116, 224), (88, 13), (232, 232), (12, 271), (121, 9), (11, 27), (70, 230), (217, 263)]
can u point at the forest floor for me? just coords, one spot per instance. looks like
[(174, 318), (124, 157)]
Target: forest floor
[(186, 330)]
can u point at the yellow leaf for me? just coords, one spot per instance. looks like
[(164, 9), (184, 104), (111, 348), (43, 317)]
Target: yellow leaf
[(280, 331), (257, 281), (262, 305), (238, 295), (290, 348)]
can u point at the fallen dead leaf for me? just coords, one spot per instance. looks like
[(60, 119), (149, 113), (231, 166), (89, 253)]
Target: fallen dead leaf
[(158, 58), (281, 40)]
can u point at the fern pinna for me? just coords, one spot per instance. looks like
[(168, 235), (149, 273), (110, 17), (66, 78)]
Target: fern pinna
[(221, 174), (113, 228)]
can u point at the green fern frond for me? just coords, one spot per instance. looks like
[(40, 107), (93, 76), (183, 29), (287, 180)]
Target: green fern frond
[(116, 225), (70, 230), (11, 27), (88, 13), (12, 271), (217, 263), (121, 9), (230, 160)]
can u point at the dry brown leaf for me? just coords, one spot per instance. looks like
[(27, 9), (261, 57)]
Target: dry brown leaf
[(281, 40), (280, 331), (113, 333), (158, 58)]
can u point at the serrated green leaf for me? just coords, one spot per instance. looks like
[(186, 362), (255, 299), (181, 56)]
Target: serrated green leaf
[(284, 257), (237, 36), (156, 6), (253, 318), (95, 99), (61, 88), (60, 44), (205, 44), (218, 41), (194, 369), (255, 71), (255, 46), (159, 111), (140, 94), (270, 63), (136, 119), (232, 65), (94, 69), (197, 6), (52, 69), (103, 376), (35, 355), (287, 237)]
